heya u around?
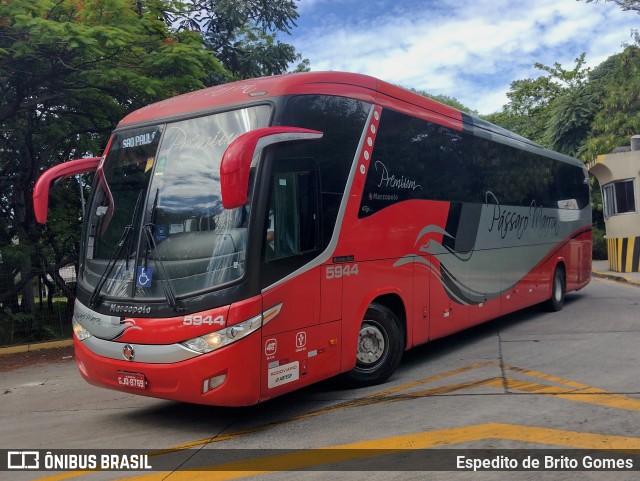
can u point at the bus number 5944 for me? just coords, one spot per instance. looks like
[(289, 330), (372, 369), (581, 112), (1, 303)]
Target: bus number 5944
[(199, 320), (338, 271)]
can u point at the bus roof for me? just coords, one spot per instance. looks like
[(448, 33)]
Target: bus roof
[(362, 87)]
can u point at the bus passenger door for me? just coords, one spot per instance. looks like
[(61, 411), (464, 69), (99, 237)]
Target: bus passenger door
[(290, 240), (295, 344)]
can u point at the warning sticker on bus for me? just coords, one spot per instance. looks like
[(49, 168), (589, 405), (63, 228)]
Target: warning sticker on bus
[(283, 374)]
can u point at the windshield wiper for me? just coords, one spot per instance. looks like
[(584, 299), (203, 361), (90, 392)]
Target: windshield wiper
[(166, 284), (124, 239)]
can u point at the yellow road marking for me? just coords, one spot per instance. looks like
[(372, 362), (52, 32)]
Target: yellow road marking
[(546, 377), (69, 475), (580, 392), (571, 390), (386, 446), (437, 377), (363, 401)]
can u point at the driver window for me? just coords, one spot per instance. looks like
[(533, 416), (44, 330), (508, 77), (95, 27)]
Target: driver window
[(292, 213)]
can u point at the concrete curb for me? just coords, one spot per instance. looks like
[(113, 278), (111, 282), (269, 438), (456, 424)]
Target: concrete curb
[(615, 276), (35, 347)]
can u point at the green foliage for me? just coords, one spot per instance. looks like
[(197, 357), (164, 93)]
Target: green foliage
[(303, 66), (14, 326), (71, 69), (45, 324), (599, 249), (241, 32), (618, 81), (581, 112), (626, 5), (537, 107), (18, 317), (256, 54), (447, 100), (571, 116)]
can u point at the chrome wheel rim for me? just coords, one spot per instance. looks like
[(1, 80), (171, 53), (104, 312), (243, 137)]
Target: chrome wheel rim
[(371, 344)]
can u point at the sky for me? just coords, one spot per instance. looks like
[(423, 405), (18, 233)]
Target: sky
[(468, 49)]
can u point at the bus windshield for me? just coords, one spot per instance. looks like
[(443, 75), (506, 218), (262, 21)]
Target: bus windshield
[(156, 224)]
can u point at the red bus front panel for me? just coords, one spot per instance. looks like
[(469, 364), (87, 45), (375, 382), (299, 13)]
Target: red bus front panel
[(184, 381)]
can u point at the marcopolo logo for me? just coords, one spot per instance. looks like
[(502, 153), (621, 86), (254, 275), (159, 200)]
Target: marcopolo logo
[(128, 309)]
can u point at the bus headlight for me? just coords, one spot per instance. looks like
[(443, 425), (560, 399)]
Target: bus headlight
[(224, 337), (80, 332)]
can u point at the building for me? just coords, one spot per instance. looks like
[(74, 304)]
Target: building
[(619, 176)]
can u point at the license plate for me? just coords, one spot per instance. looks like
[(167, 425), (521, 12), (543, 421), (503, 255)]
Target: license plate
[(134, 380)]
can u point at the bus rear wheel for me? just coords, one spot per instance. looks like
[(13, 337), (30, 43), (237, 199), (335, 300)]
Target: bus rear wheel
[(558, 289), (379, 350)]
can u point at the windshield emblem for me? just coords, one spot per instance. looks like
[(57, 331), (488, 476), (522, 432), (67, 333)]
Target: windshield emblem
[(128, 352), (145, 276)]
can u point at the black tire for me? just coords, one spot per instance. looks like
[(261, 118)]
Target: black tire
[(380, 348), (558, 289)]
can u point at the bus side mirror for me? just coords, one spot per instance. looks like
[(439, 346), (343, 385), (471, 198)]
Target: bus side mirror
[(55, 175), (244, 151)]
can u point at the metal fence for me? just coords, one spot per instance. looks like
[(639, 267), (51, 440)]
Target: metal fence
[(39, 312)]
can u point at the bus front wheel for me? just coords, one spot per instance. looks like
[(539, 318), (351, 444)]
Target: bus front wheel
[(379, 350)]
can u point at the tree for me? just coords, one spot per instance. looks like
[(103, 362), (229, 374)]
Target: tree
[(242, 33), (626, 5), (533, 101), (447, 100), (69, 70), (618, 81), (571, 116)]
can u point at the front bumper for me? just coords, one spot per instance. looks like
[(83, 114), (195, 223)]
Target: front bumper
[(183, 380)]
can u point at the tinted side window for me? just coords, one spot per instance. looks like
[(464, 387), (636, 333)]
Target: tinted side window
[(512, 176), (546, 178), (506, 174), (416, 159), (342, 122), (572, 186)]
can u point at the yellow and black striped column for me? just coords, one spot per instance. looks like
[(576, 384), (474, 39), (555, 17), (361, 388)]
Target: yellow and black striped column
[(624, 254)]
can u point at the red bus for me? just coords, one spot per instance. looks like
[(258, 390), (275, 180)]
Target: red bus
[(249, 239)]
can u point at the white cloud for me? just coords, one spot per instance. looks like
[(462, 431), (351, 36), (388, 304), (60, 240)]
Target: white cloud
[(467, 49)]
